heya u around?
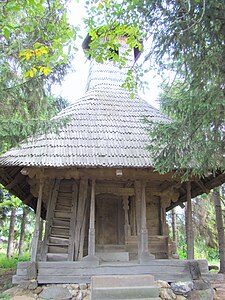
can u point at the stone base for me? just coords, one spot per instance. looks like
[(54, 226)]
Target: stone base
[(28, 284), (124, 287)]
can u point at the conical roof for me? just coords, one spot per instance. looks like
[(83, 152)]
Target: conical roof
[(106, 129)]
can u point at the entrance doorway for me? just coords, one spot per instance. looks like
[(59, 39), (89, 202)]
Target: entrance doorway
[(109, 220)]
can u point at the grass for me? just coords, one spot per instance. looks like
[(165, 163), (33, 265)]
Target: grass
[(7, 270), (11, 263)]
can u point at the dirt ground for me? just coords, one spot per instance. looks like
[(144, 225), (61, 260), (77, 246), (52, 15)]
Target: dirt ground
[(219, 287)]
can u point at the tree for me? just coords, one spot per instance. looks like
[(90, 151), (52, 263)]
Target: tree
[(187, 40), (11, 232), (22, 230), (36, 47), (220, 228)]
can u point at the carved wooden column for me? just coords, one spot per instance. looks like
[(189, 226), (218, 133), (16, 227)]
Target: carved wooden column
[(174, 230), (92, 258), (189, 225), (162, 217), (127, 230), (37, 223), (143, 251)]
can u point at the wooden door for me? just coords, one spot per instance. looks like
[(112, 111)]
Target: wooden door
[(109, 220)]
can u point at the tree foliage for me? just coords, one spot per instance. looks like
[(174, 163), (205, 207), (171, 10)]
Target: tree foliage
[(35, 52), (187, 40)]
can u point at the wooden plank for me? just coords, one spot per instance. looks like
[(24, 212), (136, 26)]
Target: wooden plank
[(58, 240), (166, 263), (56, 257), (49, 215), (34, 247), (189, 224), (73, 221), (115, 190), (60, 279), (108, 270), (61, 222), (59, 248), (82, 197), (60, 231), (110, 173)]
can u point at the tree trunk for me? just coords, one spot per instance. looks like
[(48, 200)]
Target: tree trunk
[(22, 230), (220, 229), (11, 233)]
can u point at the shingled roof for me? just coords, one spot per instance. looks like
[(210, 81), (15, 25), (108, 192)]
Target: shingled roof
[(106, 129)]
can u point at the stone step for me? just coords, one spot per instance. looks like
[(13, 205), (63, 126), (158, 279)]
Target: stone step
[(135, 298), (123, 287), (131, 292), (122, 281)]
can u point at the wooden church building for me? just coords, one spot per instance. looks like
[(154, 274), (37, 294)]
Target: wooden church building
[(95, 186)]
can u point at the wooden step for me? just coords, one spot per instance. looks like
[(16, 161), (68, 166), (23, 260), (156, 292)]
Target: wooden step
[(58, 240), (57, 248), (57, 257), (60, 222), (57, 235), (61, 214), (58, 230), (60, 227), (63, 207)]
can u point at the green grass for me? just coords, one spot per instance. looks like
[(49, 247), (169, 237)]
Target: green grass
[(9, 263), (5, 296)]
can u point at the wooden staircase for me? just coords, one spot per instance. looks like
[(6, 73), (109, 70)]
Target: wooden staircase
[(60, 231)]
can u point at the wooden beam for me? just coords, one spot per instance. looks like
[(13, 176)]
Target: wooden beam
[(189, 225), (91, 236), (73, 220), (127, 229), (17, 179), (202, 186), (37, 222), (102, 173), (82, 198), (115, 190)]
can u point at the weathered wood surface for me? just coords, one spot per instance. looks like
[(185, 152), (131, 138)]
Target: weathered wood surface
[(82, 199), (189, 224), (78, 272), (170, 270), (34, 248)]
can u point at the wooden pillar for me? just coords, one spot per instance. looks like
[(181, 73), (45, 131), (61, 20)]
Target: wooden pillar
[(92, 258), (37, 224), (91, 239), (162, 217), (143, 251), (189, 224), (127, 230), (41, 227), (174, 225)]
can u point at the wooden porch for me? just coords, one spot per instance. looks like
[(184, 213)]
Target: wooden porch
[(81, 272)]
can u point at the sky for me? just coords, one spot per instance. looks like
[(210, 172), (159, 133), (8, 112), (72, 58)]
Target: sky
[(73, 86)]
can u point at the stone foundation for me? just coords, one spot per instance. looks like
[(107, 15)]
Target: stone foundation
[(191, 290)]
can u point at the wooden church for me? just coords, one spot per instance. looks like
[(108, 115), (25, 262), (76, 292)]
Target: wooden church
[(95, 186)]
